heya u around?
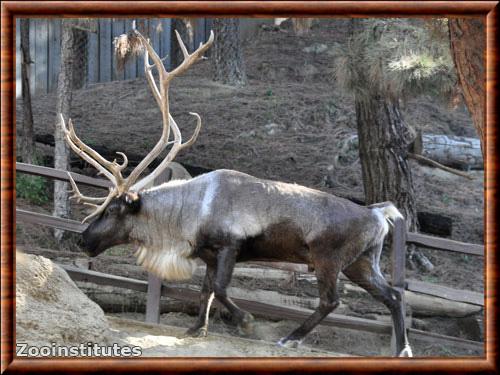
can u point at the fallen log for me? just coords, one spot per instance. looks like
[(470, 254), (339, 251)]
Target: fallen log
[(457, 152), (425, 305), (119, 300)]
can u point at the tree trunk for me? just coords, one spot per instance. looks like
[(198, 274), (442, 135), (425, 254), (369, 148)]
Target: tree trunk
[(185, 30), (468, 46), (27, 140), (63, 106), (383, 142), (227, 53), (384, 139)]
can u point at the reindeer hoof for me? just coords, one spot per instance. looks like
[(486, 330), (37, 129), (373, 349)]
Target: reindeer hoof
[(406, 352), (246, 327), (196, 332), (291, 344)]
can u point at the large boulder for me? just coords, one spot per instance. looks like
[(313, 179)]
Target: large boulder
[(51, 309)]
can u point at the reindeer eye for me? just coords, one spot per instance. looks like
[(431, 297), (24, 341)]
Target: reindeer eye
[(111, 210)]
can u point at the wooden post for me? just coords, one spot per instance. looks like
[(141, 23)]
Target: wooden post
[(398, 260), (154, 283), (153, 299)]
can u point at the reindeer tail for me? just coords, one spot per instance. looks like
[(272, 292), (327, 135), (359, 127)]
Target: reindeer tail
[(388, 210)]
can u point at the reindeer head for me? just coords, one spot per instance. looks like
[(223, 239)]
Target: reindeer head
[(115, 212)]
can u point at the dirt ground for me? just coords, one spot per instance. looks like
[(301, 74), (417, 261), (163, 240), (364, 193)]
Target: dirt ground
[(288, 123), (169, 341)]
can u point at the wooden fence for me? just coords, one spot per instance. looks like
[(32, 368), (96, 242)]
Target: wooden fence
[(97, 50), (155, 289)]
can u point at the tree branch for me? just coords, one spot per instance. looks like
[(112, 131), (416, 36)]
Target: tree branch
[(421, 158)]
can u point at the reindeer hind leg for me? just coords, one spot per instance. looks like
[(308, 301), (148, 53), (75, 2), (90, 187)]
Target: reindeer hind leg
[(366, 273), (327, 273)]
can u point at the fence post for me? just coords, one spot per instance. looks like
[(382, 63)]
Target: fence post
[(153, 299), (398, 261), (154, 283)]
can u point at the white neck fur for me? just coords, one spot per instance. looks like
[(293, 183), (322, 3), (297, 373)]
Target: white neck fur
[(169, 263)]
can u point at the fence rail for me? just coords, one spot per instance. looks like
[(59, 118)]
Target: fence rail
[(155, 289), (265, 309), (445, 244)]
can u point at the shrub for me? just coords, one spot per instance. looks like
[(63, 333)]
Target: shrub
[(32, 188)]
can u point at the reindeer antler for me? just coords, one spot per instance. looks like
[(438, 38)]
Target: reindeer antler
[(113, 170), (161, 96)]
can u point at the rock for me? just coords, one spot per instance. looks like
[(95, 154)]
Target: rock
[(51, 309), (251, 133), (308, 70), (316, 48), (420, 324), (272, 128)]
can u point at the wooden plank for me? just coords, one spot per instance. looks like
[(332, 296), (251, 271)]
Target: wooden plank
[(199, 32), (79, 274), (208, 27), (285, 266), (435, 338), (154, 35), (42, 55), (118, 27), (445, 244), (93, 56), (54, 53), (143, 25), (398, 254), (105, 48), (274, 298), (259, 273), (61, 175), (131, 66), (398, 268), (164, 37), (445, 292), (29, 217)]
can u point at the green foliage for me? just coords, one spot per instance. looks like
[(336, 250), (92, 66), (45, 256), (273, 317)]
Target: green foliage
[(32, 188), (398, 57)]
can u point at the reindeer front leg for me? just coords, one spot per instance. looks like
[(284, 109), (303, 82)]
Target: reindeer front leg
[(200, 329), (226, 260)]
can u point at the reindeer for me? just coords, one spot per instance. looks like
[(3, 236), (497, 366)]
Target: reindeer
[(224, 217)]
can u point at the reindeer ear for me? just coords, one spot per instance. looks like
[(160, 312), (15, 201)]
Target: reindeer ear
[(133, 202)]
